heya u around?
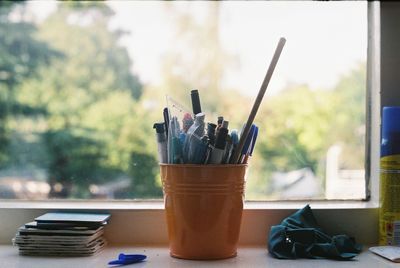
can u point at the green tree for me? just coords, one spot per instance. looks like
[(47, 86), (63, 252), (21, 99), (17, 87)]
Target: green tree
[(92, 100), (301, 124), (21, 56), (348, 124), (202, 65), (298, 120)]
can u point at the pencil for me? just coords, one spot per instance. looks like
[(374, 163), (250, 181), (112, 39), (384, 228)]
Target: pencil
[(236, 157)]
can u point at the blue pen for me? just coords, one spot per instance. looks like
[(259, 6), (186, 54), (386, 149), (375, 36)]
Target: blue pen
[(253, 142), (234, 137), (247, 144), (252, 145), (125, 259), (174, 143), (182, 137)]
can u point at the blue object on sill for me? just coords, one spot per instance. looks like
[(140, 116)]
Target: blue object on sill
[(299, 236), (125, 259)]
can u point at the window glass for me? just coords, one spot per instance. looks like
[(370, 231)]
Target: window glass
[(82, 83)]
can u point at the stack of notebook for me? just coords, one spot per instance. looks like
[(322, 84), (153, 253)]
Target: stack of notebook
[(62, 234)]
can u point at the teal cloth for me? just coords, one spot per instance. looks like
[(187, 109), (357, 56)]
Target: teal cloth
[(299, 236)]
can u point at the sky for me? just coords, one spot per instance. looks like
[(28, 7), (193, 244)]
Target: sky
[(324, 39)]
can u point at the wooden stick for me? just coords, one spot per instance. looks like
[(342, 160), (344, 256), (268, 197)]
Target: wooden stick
[(236, 157)]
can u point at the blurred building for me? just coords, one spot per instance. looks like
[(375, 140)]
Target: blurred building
[(297, 184), (342, 183)]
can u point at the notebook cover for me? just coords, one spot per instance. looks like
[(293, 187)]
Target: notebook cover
[(73, 217)]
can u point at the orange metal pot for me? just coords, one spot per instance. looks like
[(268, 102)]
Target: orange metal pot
[(203, 205)]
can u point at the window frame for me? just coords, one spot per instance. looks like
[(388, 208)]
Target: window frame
[(146, 222)]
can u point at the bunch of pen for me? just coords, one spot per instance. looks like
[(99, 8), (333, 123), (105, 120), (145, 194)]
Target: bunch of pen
[(185, 138)]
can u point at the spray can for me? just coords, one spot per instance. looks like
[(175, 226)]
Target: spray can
[(389, 198)]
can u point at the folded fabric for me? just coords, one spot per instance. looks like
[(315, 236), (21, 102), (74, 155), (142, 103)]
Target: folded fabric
[(299, 236)]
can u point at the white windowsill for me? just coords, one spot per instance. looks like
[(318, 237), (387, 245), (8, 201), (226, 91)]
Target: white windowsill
[(159, 257), (159, 205), (144, 223)]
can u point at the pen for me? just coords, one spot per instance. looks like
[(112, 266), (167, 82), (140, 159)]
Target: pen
[(208, 152), (219, 121), (170, 144), (247, 144), (236, 157), (177, 142), (228, 149), (217, 153), (198, 150), (174, 143), (194, 94), (235, 141), (166, 120), (219, 124), (228, 141), (177, 149), (250, 143), (253, 143), (161, 142), (195, 131), (211, 132)]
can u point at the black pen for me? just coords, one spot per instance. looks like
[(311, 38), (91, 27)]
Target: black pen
[(161, 142), (211, 132), (218, 152), (194, 94), (166, 120)]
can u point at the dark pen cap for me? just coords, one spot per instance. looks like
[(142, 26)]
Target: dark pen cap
[(220, 140), (194, 94), (160, 127), (220, 120), (211, 128)]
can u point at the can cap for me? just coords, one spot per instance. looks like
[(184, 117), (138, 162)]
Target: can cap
[(390, 144), (390, 121)]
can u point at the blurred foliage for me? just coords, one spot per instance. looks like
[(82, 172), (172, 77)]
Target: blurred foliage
[(90, 98), (69, 100), (21, 56), (202, 65), (300, 124)]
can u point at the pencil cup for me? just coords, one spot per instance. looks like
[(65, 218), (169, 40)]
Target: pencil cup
[(203, 206)]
